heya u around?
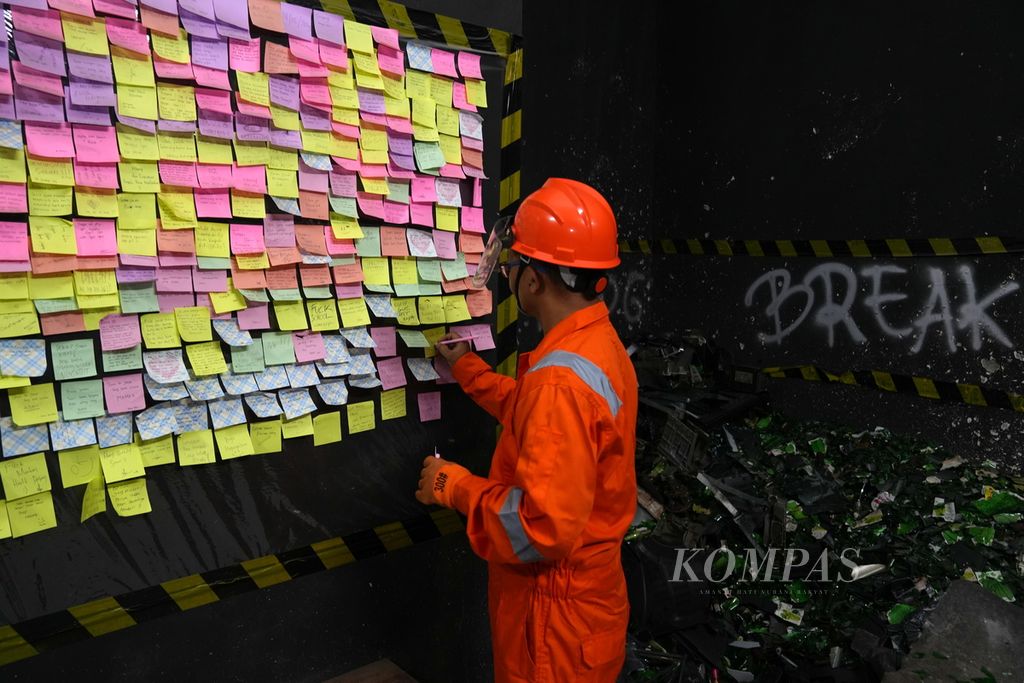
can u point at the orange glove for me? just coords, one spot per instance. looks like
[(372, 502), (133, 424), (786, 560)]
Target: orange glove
[(425, 492)]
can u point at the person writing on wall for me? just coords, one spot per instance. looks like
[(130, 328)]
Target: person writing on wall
[(561, 492)]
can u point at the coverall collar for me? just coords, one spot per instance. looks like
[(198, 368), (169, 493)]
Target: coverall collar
[(573, 322)]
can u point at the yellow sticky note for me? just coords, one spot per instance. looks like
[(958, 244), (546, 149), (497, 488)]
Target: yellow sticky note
[(396, 106), (345, 227), (92, 201), (316, 141), (95, 499), (431, 309), (433, 336), (121, 462), (455, 309), (139, 176), (253, 261), (326, 428), (266, 436), (8, 382), (447, 120), (12, 166), (285, 119), (136, 211), (93, 317), (160, 331), (137, 145), (177, 208), (246, 205), (193, 323), (353, 312), (132, 69), (51, 171), (417, 84), (291, 315), (5, 522), (361, 417), (206, 358), (196, 448), (476, 92), (18, 325), (254, 87), (130, 497), (392, 404), (284, 159), (376, 185), (33, 405), (250, 153), (440, 89), (403, 270), (341, 147), (31, 514), (323, 315), (346, 116), (214, 151), (50, 286), (424, 112), (451, 148), (136, 242), (282, 183), (424, 133), (358, 37), (394, 87), (341, 79), (345, 98), (406, 310), (447, 218), (375, 271), (52, 235), (24, 476), (176, 102), (13, 286), (212, 239), (158, 451), (171, 48), (79, 465), (225, 302), (300, 426), (234, 442), (137, 101), (84, 34), (95, 282), (177, 146), (49, 200)]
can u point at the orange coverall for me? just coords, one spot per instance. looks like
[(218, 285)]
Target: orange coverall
[(550, 516)]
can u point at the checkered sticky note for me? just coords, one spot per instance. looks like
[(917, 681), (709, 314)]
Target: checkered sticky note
[(419, 57), (226, 412), (333, 393), (335, 349), (10, 134), (72, 434), (302, 375), (296, 402), (155, 422), (22, 357), (236, 385), (316, 259), (164, 392), (263, 404), (320, 162), (329, 370), (287, 205), (274, 377), (361, 363), (190, 417), (205, 389), (364, 381), (359, 337), (22, 440), (422, 369), (165, 366), (114, 430), (381, 306), (229, 332)]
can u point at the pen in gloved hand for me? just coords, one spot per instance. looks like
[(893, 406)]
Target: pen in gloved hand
[(459, 340), (436, 454)]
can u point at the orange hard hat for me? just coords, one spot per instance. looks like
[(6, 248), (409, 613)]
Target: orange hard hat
[(567, 223)]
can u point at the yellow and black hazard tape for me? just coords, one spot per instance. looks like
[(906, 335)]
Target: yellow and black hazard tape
[(415, 24), (873, 248), (938, 390), (509, 190), (109, 614)]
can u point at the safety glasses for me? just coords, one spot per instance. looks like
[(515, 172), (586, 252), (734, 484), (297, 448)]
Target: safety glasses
[(501, 238)]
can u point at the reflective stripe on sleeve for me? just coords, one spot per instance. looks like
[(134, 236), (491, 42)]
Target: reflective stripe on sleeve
[(586, 370), (513, 524)]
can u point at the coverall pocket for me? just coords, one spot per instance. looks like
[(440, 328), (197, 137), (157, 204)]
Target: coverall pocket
[(600, 650)]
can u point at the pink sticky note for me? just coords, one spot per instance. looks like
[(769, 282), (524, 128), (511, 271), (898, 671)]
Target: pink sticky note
[(309, 346), (247, 239), (392, 373), (169, 302), (384, 338), (13, 241), (279, 230), (443, 62), (304, 49), (130, 35), (209, 280), (444, 243), (213, 100), (124, 393), (117, 8), (80, 7), (250, 179), (473, 219), (430, 406), (51, 140), (96, 175), (244, 55), (459, 100), (13, 198), (214, 176), (255, 317), (335, 55), (385, 36), (180, 173), (119, 332), (95, 237), (421, 214), (174, 280), (211, 78), (213, 203), (39, 22), (38, 80), (391, 60), (370, 204), (469, 65), (95, 144), (482, 338)]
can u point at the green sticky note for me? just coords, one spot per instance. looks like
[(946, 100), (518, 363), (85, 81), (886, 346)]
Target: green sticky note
[(429, 269), (73, 359), (346, 206), (278, 348), (428, 155), (213, 263), (248, 358), (369, 244), (257, 295), (398, 191), (122, 359), (454, 270), (44, 306), (414, 339), (138, 297), (286, 294), (317, 292), (80, 400)]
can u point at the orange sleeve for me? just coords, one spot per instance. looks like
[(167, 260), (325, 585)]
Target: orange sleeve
[(490, 390), (540, 516)]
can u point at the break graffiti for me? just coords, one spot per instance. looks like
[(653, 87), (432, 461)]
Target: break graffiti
[(830, 294)]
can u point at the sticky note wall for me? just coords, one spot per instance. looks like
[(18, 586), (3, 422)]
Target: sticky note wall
[(217, 219)]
